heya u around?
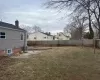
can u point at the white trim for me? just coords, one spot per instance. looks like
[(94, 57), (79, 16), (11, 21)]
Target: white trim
[(10, 28)]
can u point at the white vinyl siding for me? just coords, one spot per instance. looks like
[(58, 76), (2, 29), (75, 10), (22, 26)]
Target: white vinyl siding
[(38, 36)]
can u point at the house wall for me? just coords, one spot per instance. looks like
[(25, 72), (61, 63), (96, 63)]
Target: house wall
[(60, 36), (13, 41), (39, 36)]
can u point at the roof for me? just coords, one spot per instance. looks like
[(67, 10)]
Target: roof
[(42, 33), (11, 26), (64, 34), (46, 34)]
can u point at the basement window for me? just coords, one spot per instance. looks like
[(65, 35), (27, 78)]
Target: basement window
[(9, 51), (2, 35)]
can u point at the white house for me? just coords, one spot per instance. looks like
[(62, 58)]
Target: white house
[(13, 39), (40, 36), (62, 36)]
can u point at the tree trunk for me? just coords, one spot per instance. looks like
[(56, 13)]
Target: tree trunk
[(99, 21), (99, 28), (90, 27)]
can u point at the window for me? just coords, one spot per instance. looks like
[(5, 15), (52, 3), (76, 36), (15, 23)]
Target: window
[(53, 37), (9, 51), (22, 37), (2, 35), (59, 35), (34, 37), (44, 37), (57, 38)]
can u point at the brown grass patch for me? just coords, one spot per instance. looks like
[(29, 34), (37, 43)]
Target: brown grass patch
[(58, 63)]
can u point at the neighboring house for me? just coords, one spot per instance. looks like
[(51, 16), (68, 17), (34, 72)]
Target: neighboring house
[(62, 36), (40, 36), (12, 38)]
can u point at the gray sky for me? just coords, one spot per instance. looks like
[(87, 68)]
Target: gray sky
[(32, 12)]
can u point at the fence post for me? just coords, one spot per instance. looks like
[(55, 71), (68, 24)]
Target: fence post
[(82, 42), (58, 43), (94, 44)]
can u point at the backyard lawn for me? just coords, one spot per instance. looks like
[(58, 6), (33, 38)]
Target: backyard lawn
[(62, 63)]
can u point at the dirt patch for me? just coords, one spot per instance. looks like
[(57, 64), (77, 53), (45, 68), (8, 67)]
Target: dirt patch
[(39, 48), (59, 63), (26, 55)]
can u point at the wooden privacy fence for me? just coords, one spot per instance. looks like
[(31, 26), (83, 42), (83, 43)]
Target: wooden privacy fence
[(84, 42)]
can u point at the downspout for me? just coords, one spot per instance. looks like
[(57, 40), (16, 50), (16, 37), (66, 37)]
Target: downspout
[(25, 41)]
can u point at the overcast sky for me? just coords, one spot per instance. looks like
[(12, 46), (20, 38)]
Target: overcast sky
[(32, 12)]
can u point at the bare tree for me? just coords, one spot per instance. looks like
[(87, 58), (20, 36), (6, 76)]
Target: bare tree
[(80, 6), (27, 28), (31, 29), (96, 11), (36, 29), (77, 27)]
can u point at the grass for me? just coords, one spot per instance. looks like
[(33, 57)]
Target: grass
[(62, 63)]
